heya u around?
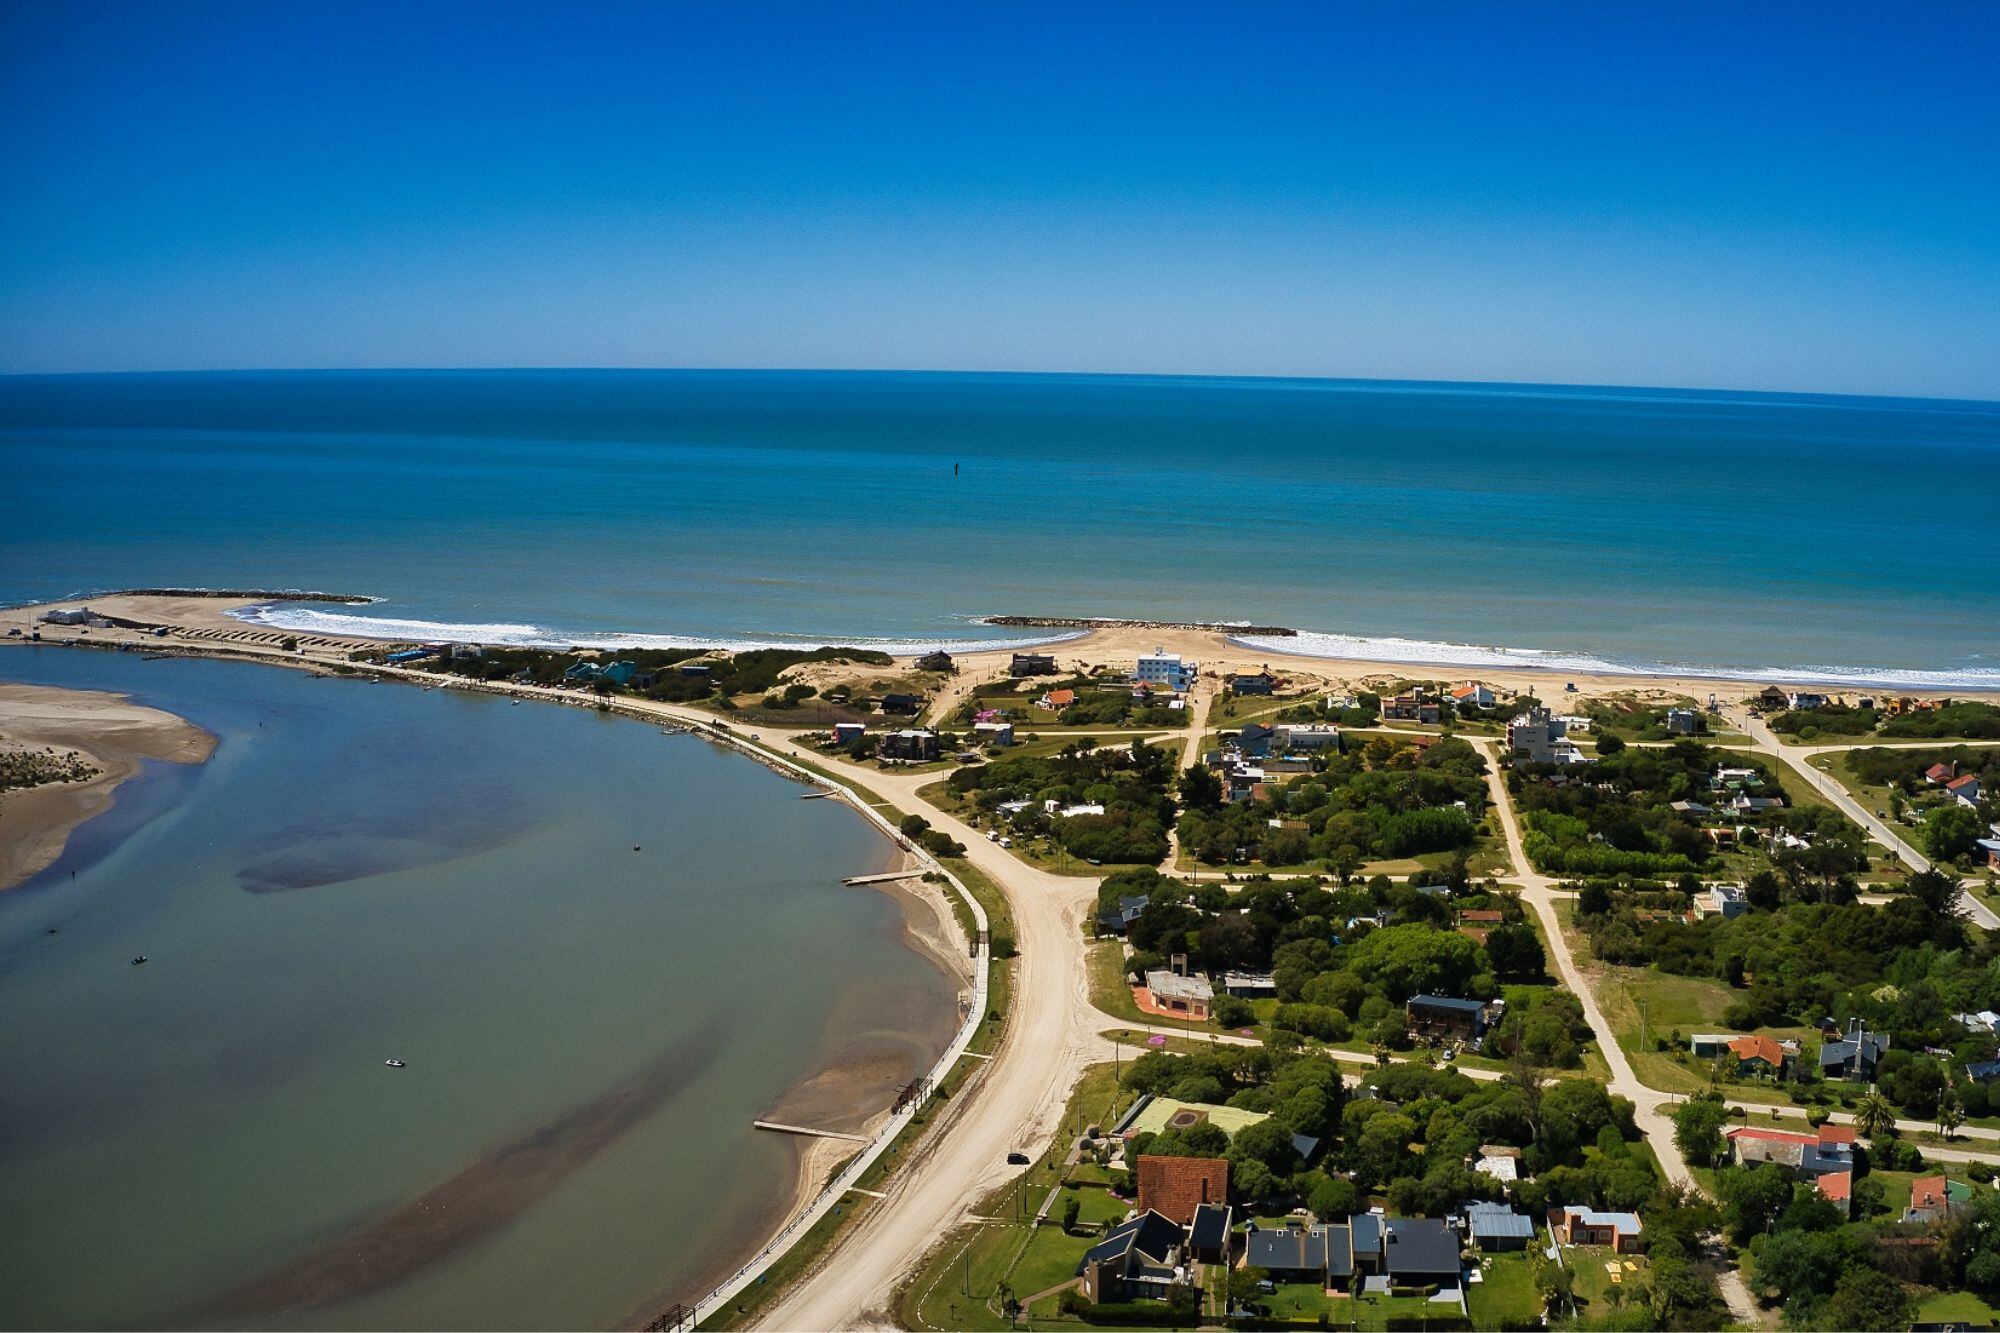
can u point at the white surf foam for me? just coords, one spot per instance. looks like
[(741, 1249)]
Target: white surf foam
[(1424, 652), (306, 620)]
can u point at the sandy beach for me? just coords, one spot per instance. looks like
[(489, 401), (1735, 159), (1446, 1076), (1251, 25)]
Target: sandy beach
[(111, 734), (205, 624)]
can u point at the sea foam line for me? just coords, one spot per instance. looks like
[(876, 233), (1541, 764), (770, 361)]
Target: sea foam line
[(1424, 652), (306, 620)]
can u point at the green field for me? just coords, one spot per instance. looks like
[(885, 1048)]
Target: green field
[(1506, 1292)]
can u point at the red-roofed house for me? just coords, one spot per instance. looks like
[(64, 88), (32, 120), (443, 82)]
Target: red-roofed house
[(1830, 1151), (1763, 1057), (1940, 772), (1174, 1187), (1472, 692), (1057, 699), (1838, 1190), (1933, 1199)]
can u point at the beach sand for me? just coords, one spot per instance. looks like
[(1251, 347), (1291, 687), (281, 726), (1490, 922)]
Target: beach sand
[(110, 731)]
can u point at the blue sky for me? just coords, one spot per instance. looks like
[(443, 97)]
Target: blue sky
[(1747, 196)]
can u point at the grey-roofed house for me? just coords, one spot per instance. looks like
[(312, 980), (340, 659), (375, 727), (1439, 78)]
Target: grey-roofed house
[(1136, 1260), (1365, 1243), (1495, 1226), (1854, 1055), (1288, 1254), (1208, 1234), (1120, 921), (1418, 1251)]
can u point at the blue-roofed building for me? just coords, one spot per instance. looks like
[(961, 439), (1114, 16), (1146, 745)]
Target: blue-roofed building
[(1495, 1226), (620, 673), (1983, 1071), (1442, 1017)]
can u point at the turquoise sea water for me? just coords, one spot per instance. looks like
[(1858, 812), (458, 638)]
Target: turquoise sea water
[(368, 871), (1850, 538)]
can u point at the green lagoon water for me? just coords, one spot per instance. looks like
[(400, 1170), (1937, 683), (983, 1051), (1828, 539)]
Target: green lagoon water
[(367, 871)]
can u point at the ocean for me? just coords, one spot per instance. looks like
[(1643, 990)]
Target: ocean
[(1846, 539), (600, 952)]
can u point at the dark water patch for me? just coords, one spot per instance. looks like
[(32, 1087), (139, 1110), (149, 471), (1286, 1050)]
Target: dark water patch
[(473, 1204), (317, 856)]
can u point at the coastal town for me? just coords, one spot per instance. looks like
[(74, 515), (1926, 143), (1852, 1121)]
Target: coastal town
[(1329, 994)]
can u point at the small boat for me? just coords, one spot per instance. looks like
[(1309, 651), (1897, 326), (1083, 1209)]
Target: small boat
[(140, 959), (393, 1064)]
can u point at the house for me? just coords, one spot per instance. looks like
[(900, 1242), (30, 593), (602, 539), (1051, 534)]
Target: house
[(1939, 774), (1989, 848), (1985, 1022), (696, 670), (999, 734), (1683, 721), (1576, 1225), (1829, 1150), (1709, 1045), (1983, 1071), (620, 673), (1964, 790), (920, 745), (1420, 1251), (70, 615), (1298, 1254), (1119, 921), (1056, 700), (1495, 1226), (1249, 985), (1032, 664), (1727, 901), (1475, 694), (1297, 736), (1854, 1055), (1412, 706), (1761, 1057), (846, 733), (576, 672), (1771, 699), (1209, 1238), (1081, 808), (1136, 1260), (1498, 1161), (936, 661), (1435, 1017), (1254, 740), (1540, 737), (1263, 682), (901, 703), (1161, 667), (1804, 700), (1933, 1199), (1177, 1187), (1180, 995)]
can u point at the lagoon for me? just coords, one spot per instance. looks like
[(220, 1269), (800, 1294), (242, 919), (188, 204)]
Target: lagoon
[(364, 872)]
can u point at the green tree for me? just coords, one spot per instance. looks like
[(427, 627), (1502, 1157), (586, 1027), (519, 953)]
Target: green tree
[(1867, 1298), (1950, 1113), (1951, 832), (1698, 1126), (1071, 1207)]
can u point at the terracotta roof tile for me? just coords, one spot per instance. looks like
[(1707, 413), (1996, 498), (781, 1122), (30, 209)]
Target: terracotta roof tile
[(1175, 1186)]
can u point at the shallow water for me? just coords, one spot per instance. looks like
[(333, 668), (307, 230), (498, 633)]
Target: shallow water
[(367, 871)]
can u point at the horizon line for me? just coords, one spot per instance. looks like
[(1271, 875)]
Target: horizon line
[(995, 374)]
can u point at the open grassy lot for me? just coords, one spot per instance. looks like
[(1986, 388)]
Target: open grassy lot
[(1598, 1271), (1505, 1292), (1957, 1307)]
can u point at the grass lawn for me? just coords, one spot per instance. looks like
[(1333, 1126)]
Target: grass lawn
[(1957, 1307), (1598, 1270), (1506, 1292)]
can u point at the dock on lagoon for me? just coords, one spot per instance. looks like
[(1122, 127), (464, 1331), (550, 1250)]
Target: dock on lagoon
[(778, 1127)]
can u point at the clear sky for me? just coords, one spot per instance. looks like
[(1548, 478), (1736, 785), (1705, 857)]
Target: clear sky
[(1746, 195)]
